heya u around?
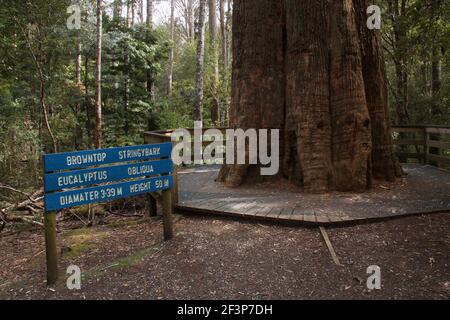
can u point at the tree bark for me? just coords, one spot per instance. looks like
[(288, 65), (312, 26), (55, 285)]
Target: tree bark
[(314, 70), (257, 76)]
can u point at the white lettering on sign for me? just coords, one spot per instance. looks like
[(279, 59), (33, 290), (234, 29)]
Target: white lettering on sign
[(143, 152), (140, 187), (89, 177), (86, 159), (140, 170), (94, 195), (78, 197)]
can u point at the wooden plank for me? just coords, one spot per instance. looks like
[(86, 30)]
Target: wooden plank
[(235, 207), (405, 142), (297, 215), (309, 218), (410, 155), (213, 205), (286, 213), (264, 212), (330, 247), (321, 217), (404, 130), (438, 130), (249, 209), (253, 210), (439, 144), (439, 159), (196, 203), (274, 213), (261, 210)]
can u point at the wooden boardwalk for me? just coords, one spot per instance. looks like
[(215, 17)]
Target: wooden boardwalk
[(425, 189)]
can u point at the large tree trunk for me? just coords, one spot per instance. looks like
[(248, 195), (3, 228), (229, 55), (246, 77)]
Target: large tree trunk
[(258, 79), (314, 70)]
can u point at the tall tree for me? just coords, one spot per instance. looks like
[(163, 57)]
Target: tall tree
[(150, 81), (117, 9), (215, 109), (200, 59), (186, 10), (318, 76), (98, 78), (150, 8), (171, 54), (224, 36)]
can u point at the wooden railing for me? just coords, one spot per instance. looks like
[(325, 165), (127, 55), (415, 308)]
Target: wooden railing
[(423, 144)]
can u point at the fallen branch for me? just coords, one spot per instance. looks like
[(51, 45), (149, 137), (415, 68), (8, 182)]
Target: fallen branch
[(30, 197), (24, 219), (330, 246)]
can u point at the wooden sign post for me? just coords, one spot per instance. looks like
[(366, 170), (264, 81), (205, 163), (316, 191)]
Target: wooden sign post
[(80, 178)]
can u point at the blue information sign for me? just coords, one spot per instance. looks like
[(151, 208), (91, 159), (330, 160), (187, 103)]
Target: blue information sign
[(86, 177), (90, 158), (73, 198)]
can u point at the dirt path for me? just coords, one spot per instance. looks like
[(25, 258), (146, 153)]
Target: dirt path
[(228, 259)]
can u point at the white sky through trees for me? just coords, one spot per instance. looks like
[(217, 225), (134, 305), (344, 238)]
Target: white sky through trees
[(161, 13)]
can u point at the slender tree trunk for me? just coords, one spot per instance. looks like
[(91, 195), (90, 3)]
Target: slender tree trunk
[(171, 54), (198, 111), (150, 13), (150, 82), (78, 133), (436, 71), (224, 40), (141, 11), (228, 27), (215, 109), (129, 13), (396, 10), (98, 78), (87, 105), (117, 9), (78, 59), (44, 112)]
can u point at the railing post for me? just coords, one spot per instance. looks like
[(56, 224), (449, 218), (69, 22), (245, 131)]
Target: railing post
[(175, 186), (167, 214), (50, 247), (425, 146), (152, 202)]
